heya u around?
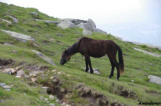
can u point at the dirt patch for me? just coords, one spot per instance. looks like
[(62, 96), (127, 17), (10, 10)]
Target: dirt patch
[(6, 62), (33, 67), (121, 91), (91, 96)]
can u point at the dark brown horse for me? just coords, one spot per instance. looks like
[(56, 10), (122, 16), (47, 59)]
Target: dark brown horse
[(96, 48)]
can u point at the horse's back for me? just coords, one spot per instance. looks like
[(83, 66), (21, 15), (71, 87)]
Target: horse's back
[(92, 47)]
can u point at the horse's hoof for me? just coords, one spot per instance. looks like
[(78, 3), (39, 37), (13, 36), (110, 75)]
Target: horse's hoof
[(91, 72)]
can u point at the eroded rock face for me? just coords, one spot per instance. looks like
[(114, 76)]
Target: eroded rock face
[(19, 36), (154, 79)]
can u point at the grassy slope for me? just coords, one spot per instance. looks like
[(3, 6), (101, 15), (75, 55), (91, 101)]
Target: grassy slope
[(137, 65)]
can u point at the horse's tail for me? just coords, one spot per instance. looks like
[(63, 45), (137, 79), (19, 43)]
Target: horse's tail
[(121, 61)]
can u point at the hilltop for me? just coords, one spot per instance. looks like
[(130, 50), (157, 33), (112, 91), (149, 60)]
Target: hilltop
[(31, 80)]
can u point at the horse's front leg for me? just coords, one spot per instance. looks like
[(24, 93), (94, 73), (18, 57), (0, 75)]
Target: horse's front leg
[(90, 66), (86, 61)]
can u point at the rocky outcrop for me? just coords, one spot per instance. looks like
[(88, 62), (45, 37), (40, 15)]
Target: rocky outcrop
[(88, 26), (66, 23), (154, 79), (19, 36)]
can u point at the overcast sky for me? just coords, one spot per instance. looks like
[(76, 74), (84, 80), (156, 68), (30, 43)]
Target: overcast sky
[(129, 19)]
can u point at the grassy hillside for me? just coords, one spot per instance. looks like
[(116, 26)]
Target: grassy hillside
[(132, 88)]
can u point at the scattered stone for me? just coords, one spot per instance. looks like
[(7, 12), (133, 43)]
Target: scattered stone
[(18, 36), (46, 99), (146, 52), (7, 44), (9, 71), (41, 98), (20, 74), (2, 84), (154, 79), (54, 70), (51, 104), (96, 71), (45, 58), (33, 79), (6, 87), (51, 97)]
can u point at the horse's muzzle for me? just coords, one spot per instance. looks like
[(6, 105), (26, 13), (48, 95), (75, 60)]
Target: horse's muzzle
[(62, 62)]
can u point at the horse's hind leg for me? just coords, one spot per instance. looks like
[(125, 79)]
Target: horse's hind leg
[(112, 70), (90, 66), (86, 61), (118, 71)]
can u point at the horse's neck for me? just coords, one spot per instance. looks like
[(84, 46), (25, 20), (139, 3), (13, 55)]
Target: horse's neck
[(73, 49)]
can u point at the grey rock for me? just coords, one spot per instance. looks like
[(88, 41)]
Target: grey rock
[(6, 87), (9, 70), (146, 52), (51, 104), (44, 57), (15, 20), (20, 73), (154, 79), (2, 84), (66, 23), (96, 71), (51, 97), (7, 44), (91, 24), (19, 36), (77, 21), (86, 28)]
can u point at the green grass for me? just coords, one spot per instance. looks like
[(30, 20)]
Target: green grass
[(137, 65)]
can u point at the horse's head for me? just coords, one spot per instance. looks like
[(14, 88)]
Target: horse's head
[(65, 57)]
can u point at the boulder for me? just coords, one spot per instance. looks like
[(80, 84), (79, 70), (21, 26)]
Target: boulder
[(19, 36), (20, 73), (154, 79), (88, 26), (44, 57), (66, 23)]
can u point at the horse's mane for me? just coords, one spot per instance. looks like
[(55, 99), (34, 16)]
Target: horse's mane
[(73, 49)]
